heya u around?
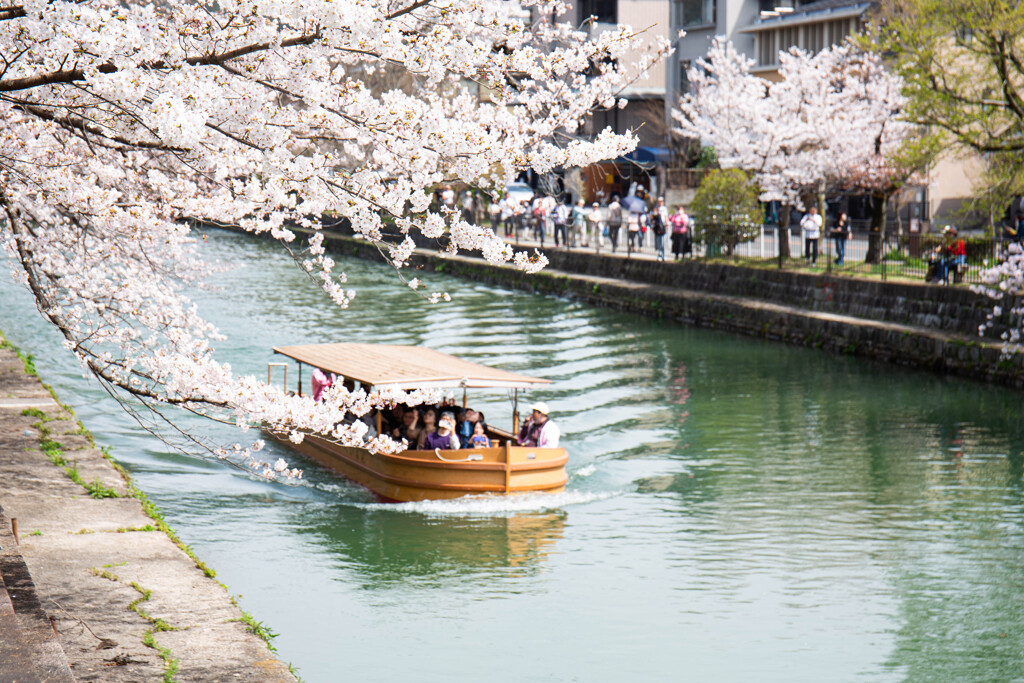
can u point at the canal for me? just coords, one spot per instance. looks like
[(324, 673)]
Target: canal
[(737, 510)]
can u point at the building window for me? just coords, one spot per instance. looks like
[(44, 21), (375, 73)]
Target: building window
[(684, 76), (605, 11), (767, 54), (776, 5), (696, 12)]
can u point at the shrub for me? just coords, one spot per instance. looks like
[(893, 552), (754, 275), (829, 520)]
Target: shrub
[(725, 209)]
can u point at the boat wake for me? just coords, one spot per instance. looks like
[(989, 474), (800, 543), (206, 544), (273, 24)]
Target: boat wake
[(492, 506), (585, 471)]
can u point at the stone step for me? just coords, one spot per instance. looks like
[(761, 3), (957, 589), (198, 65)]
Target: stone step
[(29, 650)]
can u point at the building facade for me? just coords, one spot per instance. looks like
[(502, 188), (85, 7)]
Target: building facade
[(760, 29)]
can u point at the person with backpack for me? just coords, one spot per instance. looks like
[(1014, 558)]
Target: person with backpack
[(659, 225)]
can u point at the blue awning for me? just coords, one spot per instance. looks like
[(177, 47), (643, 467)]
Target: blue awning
[(647, 155)]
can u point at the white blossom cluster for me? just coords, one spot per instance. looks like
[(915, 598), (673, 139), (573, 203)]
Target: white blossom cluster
[(123, 122), (1005, 281), (832, 117)]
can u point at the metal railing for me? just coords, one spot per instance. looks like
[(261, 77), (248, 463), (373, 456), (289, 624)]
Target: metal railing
[(908, 257)]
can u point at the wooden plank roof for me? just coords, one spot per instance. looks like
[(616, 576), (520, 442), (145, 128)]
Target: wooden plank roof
[(405, 367)]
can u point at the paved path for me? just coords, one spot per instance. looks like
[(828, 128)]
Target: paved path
[(110, 582)]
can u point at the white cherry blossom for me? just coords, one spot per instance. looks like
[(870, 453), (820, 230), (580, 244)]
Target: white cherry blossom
[(123, 123)]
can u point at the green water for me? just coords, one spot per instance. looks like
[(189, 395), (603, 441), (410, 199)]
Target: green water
[(736, 510)]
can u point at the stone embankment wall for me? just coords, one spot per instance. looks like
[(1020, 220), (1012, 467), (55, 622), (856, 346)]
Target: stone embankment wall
[(948, 309), (98, 587), (910, 324)]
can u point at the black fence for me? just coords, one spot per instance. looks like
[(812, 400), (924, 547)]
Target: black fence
[(911, 256), (908, 256)]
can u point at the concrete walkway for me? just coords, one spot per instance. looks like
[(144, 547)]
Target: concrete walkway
[(128, 603)]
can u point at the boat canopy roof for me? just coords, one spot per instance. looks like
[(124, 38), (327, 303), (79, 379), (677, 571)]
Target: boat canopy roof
[(383, 366)]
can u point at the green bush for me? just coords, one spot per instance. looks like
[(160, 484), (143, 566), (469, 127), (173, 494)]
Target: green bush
[(725, 209)]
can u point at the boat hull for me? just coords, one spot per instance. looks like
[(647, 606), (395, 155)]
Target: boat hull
[(438, 475)]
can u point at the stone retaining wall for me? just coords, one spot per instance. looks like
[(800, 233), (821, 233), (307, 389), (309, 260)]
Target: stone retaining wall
[(950, 309)]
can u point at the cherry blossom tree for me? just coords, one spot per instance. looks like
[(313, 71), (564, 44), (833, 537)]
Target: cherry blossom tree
[(123, 121), (830, 120)]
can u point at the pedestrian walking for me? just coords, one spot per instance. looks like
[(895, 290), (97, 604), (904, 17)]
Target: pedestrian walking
[(579, 221), (841, 233), (659, 226), (680, 222), (595, 223), (614, 221), (448, 197), (538, 211), (469, 207), (507, 210), (561, 220), (644, 219), (494, 213), (633, 230), (810, 224)]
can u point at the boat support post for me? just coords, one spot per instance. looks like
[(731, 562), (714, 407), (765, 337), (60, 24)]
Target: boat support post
[(515, 414), (270, 369), (299, 392), (508, 466)]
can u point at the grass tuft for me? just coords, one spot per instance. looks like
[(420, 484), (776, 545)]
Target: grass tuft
[(170, 663), (258, 629), (98, 490)]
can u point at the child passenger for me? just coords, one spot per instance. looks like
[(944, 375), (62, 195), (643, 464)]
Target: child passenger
[(479, 438)]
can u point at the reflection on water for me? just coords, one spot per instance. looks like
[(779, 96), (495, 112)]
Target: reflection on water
[(387, 548), (736, 510)]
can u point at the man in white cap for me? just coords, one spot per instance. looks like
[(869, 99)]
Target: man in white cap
[(538, 430)]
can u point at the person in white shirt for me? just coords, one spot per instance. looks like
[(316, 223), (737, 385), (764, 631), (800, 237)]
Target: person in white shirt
[(448, 196), (595, 225), (561, 219), (810, 224), (539, 430), (507, 214)]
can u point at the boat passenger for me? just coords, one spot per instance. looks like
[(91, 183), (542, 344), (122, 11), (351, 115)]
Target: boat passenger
[(370, 420), (429, 427), (319, 382), (468, 417), (444, 438), (394, 418), (410, 429), (539, 430), (479, 438)]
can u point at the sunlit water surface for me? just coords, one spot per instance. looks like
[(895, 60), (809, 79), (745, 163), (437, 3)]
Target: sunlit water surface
[(736, 510)]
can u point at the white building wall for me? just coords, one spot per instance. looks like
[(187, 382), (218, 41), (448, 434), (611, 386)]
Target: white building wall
[(652, 18)]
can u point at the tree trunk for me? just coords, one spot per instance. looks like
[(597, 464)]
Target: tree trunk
[(784, 231), (877, 229)]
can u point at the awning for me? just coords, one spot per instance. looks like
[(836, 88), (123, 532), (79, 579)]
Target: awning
[(384, 366), (648, 155), (815, 13)]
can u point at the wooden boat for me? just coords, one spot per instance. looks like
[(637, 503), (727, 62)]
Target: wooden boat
[(412, 475)]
